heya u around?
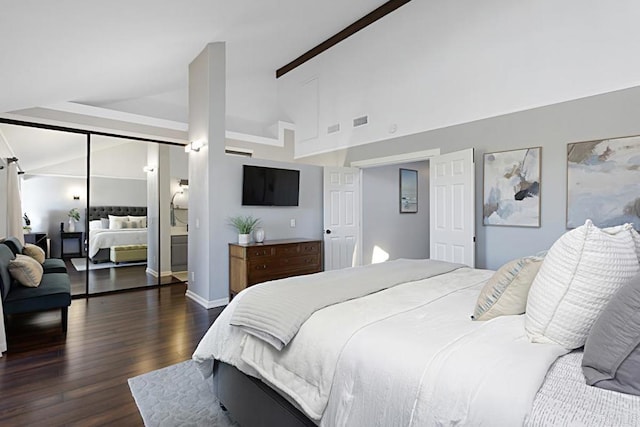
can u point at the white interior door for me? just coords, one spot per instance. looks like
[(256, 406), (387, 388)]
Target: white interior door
[(452, 200), (341, 217)]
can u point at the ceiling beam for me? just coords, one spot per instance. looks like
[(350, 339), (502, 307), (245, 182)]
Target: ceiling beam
[(361, 23)]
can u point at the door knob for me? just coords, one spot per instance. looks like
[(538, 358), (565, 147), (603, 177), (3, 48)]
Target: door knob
[(328, 231)]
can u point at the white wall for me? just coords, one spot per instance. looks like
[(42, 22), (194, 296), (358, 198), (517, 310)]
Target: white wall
[(206, 123), (400, 235), (157, 202), (432, 64)]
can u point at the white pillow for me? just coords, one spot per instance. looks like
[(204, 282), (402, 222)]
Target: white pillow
[(115, 222), (580, 273), (95, 225), (636, 238), (142, 220)]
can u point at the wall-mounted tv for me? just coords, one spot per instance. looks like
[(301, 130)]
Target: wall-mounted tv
[(262, 186)]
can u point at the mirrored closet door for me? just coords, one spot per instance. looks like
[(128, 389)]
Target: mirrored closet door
[(53, 192)]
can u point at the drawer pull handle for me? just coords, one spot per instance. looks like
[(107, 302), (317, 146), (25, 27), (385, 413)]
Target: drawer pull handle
[(261, 267)]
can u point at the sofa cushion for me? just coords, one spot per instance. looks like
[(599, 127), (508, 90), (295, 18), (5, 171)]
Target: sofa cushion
[(54, 292), (5, 278), (14, 244), (26, 270), (54, 265), (34, 252)]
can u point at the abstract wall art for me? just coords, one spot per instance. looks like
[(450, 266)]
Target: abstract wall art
[(603, 182), (511, 188)]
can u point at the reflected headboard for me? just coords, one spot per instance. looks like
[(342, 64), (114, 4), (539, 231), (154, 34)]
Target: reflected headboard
[(97, 212)]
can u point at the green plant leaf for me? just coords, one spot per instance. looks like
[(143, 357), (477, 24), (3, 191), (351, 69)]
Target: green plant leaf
[(244, 224)]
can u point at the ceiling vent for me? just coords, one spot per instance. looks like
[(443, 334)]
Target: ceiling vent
[(333, 128), (237, 151), (360, 121)]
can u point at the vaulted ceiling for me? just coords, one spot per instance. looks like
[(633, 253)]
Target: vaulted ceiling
[(133, 56)]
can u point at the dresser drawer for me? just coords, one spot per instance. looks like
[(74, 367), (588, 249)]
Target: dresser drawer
[(260, 252), (257, 263), (258, 276), (309, 260)]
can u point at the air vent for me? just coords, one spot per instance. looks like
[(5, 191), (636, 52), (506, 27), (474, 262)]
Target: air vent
[(360, 121), (237, 151), (334, 128)]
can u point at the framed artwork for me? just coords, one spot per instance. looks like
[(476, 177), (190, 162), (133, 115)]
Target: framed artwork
[(511, 188), (408, 191), (603, 182)]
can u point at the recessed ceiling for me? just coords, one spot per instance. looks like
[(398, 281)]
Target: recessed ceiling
[(134, 56)]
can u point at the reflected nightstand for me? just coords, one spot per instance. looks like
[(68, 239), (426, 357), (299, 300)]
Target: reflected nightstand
[(71, 235)]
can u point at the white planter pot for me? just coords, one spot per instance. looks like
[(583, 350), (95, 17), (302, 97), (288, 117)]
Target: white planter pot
[(72, 225), (244, 239)]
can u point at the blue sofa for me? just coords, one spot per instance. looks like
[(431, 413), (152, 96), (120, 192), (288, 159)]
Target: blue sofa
[(54, 291)]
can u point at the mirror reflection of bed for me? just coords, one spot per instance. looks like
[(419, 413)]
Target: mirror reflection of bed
[(57, 178)]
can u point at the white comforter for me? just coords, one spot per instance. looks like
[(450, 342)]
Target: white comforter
[(407, 356), (105, 238)]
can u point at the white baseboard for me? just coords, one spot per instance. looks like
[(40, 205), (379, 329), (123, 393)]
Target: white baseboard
[(207, 304), (155, 273)]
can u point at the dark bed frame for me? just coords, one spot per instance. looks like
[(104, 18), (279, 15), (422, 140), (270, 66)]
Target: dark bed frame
[(99, 212), (250, 402)]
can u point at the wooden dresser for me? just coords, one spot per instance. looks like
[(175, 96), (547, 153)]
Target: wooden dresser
[(270, 260)]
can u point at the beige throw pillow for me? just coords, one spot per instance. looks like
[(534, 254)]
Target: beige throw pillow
[(26, 270), (34, 252), (505, 293)]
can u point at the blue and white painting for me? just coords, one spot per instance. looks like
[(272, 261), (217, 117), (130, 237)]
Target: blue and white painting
[(603, 182), (512, 188)]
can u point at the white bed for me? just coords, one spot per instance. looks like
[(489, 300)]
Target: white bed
[(105, 238), (105, 233), (408, 355)]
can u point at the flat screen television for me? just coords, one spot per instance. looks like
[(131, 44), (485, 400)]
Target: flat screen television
[(262, 186)]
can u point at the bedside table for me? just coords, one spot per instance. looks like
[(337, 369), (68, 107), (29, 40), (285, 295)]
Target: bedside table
[(71, 235)]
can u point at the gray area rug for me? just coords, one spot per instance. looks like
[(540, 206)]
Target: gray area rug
[(177, 396)]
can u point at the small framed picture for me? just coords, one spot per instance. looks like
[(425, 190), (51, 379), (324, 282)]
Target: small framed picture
[(408, 191)]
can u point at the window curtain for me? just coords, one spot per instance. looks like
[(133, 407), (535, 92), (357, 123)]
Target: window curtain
[(14, 228), (14, 203)]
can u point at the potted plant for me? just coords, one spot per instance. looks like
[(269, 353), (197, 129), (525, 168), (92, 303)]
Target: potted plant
[(244, 225), (27, 223), (74, 216)]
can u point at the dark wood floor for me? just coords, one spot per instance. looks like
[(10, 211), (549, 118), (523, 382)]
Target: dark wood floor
[(81, 379), (113, 279)]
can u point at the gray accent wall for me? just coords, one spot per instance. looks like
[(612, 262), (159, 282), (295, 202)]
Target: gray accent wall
[(610, 115), (401, 235)]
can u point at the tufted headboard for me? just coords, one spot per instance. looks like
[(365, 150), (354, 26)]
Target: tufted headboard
[(97, 212)]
